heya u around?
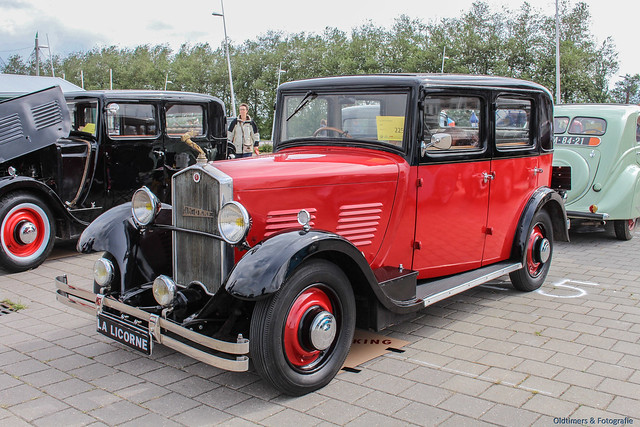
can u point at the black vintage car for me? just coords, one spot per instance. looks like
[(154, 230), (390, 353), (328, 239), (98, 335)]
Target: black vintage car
[(65, 159)]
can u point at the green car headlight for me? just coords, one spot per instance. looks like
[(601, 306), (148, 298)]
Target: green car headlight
[(144, 206), (233, 222)]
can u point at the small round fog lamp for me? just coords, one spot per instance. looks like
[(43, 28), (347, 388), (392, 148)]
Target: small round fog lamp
[(103, 272), (164, 290)]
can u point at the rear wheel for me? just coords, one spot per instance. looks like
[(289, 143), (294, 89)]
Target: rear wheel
[(27, 232), (301, 335), (539, 251), (624, 228)]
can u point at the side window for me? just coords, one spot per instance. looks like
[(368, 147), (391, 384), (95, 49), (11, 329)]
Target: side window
[(185, 118), (131, 120), (513, 123), (84, 116), (560, 124), (452, 124)]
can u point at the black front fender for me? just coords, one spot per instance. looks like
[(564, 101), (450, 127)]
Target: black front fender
[(266, 266), (141, 254)]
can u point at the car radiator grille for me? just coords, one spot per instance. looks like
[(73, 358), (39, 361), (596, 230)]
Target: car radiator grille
[(198, 194)]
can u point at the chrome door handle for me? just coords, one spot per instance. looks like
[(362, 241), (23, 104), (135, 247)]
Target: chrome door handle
[(537, 171), (488, 176)]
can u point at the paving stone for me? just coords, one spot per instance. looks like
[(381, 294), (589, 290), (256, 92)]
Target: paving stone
[(418, 411), (92, 399), (507, 394), (151, 420), (118, 413), (69, 417), (203, 416), (45, 377), (595, 398), (142, 392), (18, 394), (170, 404), (254, 409), (345, 391), (222, 398), (466, 405), (382, 402), (550, 406), (336, 412), (289, 417)]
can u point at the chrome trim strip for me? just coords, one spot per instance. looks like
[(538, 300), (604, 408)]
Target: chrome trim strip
[(471, 284), (80, 298), (587, 215)]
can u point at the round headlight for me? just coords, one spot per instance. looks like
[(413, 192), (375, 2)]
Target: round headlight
[(233, 222), (103, 272), (164, 290), (144, 206)]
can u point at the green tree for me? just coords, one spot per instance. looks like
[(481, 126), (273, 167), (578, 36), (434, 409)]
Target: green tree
[(627, 90)]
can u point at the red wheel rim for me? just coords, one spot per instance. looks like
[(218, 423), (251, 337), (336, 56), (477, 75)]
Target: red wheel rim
[(534, 266), (19, 215), (632, 224), (310, 299)]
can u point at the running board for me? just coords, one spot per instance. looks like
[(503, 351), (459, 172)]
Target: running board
[(432, 291)]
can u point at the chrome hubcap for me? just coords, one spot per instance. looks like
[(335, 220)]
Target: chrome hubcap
[(323, 330), (544, 250), (27, 233)]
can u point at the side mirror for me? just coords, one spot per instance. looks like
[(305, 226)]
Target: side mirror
[(439, 141)]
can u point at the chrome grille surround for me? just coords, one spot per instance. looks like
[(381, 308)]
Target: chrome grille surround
[(197, 193)]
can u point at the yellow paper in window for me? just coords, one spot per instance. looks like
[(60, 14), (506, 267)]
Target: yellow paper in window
[(390, 128), (89, 128)]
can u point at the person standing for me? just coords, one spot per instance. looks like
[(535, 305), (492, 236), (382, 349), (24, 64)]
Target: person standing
[(243, 133)]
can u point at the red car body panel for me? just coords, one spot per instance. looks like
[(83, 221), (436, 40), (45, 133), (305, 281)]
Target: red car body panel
[(347, 191)]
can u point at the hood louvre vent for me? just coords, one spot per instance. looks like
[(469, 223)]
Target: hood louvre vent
[(283, 220), (359, 223)]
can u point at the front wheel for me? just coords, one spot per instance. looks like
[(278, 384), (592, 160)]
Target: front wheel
[(300, 336), (27, 232), (539, 251), (624, 228)]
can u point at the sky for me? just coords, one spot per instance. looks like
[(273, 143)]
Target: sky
[(68, 26)]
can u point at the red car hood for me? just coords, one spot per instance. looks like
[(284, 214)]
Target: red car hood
[(304, 167)]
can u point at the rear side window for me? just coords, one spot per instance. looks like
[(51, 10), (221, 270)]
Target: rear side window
[(185, 118), (513, 123), (131, 120), (560, 124), (588, 126)]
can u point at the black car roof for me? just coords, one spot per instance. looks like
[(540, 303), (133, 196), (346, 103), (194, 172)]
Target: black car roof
[(427, 80), (140, 95)]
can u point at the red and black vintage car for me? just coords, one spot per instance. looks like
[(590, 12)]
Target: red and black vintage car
[(385, 194), (63, 161)]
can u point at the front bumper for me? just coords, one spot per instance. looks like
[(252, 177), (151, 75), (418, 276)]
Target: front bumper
[(229, 355)]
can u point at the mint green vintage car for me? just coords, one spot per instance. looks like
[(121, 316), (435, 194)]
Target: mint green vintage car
[(601, 145)]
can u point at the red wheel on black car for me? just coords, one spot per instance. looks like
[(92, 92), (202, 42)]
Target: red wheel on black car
[(624, 228), (537, 260), (27, 232), (301, 335)]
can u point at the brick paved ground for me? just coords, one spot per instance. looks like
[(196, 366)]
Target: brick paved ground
[(489, 356)]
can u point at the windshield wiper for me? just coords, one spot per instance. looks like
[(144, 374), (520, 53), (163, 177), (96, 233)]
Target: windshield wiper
[(310, 96)]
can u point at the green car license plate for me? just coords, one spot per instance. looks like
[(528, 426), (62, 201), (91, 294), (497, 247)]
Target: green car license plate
[(124, 332)]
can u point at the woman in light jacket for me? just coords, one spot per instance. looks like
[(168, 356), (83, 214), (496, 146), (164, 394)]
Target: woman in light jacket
[(243, 133)]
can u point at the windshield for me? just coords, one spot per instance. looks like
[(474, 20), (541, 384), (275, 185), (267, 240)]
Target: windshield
[(345, 117)]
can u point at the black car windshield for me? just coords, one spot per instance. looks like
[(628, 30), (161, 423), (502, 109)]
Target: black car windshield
[(377, 118)]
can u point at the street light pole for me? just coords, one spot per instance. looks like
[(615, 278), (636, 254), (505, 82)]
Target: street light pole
[(226, 44), (557, 55)]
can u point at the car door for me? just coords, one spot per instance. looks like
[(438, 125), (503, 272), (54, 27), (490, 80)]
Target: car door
[(515, 170), (454, 182), (136, 149)]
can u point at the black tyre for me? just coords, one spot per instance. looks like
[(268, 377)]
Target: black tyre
[(301, 335), (539, 251), (27, 232), (624, 228)]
